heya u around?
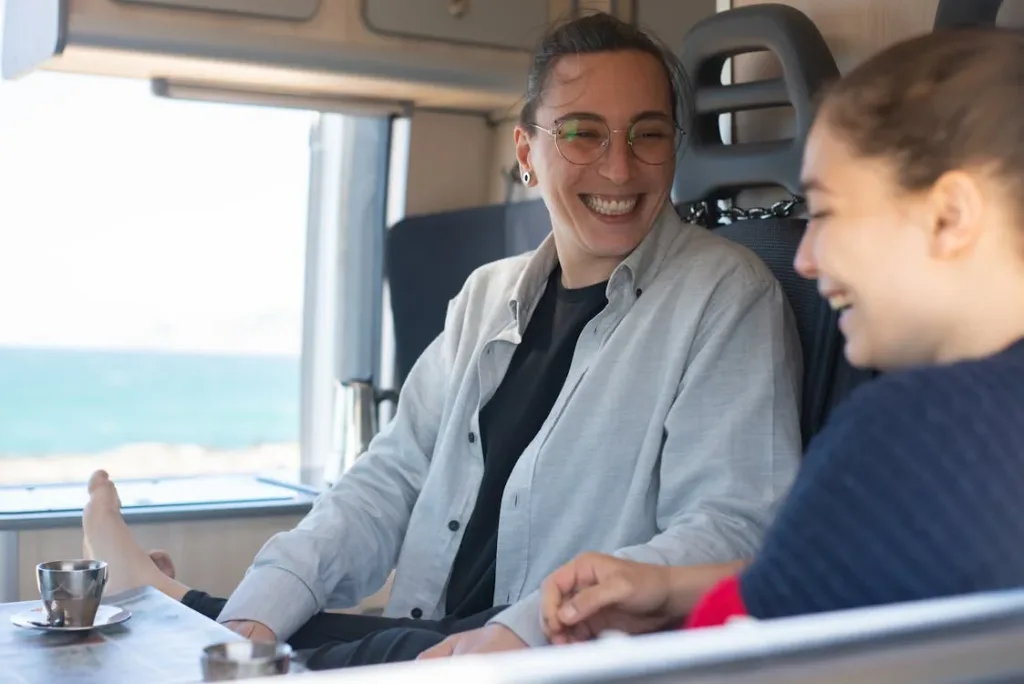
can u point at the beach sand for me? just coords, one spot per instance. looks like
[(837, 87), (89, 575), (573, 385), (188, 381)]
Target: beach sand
[(149, 460)]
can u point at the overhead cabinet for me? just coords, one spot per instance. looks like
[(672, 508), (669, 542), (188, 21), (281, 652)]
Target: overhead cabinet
[(465, 54)]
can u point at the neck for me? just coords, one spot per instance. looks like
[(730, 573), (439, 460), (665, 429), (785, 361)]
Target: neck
[(981, 342), (577, 273), (580, 269), (987, 324)]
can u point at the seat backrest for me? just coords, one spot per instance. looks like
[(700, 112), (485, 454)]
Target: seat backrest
[(964, 13), (710, 170), (828, 377), (429, 258)]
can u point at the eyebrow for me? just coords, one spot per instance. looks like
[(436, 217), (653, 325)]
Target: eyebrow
[(591, 116)]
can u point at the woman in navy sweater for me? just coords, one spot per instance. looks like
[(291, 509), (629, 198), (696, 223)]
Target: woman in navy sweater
[(914, 170)]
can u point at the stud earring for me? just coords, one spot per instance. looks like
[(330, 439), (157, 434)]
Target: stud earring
[(526, 177)]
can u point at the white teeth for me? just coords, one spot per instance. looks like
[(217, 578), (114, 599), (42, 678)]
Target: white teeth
[(838, 302), (610, 207)]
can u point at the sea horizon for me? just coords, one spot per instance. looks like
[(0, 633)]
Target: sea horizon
[(85, 400), (143, 349)]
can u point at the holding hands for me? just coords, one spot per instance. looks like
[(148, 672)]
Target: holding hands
[(595, 592)]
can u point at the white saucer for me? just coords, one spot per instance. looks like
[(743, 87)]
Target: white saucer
[(36, 619)]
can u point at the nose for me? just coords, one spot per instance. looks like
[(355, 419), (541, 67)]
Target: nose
[(617, 162), (805, 262)]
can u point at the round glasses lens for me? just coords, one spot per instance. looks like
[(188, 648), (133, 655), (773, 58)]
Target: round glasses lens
[(581, 141), (654, 141)]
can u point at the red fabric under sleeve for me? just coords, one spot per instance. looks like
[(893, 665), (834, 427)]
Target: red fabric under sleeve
[(718, 605)]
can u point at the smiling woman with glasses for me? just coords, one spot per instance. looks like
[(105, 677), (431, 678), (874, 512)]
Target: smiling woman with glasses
[(552, 406), (604, 120)]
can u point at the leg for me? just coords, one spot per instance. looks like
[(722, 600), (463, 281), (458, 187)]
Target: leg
[(108, 538), (452, 625), (320, 630), (333, 628), (390, 646), (203, 603), (400, 641), (366, 639), (329, 629)]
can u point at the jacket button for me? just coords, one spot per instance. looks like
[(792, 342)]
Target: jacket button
[(472, 437), (416, 613), (639, 291), (453, 525)]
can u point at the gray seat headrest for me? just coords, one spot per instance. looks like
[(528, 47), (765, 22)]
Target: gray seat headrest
[(964, 13), (711, 170)]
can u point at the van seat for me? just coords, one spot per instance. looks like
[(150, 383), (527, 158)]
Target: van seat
[(710, 171), (429, 257)]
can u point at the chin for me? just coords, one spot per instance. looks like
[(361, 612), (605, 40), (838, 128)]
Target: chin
[(858, 357), (859, 353), (893, 357), (613, 240), (606, 248)]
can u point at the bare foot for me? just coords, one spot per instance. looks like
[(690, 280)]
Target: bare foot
[(163, 562), (108, 538)]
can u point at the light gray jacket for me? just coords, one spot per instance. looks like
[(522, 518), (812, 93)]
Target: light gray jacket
[(675, 434)]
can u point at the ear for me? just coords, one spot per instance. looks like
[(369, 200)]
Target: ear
[(957, 207), (522, 140)]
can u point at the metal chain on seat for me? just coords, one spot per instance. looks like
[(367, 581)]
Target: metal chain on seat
[(708, 214)]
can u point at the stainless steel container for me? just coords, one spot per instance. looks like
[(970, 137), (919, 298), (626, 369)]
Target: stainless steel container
[(245, 659), (71, 591)]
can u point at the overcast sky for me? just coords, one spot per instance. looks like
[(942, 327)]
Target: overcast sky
[(130, 221)]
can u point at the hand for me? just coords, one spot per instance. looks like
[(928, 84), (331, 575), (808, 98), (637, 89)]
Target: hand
[(595, 592), (489, 639), (253, 631)]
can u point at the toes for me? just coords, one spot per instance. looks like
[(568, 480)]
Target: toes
[(102, 492), (98, 479)]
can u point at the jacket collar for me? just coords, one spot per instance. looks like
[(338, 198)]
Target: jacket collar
[(636, 272)]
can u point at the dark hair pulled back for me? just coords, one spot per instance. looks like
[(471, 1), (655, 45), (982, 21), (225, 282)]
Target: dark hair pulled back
[(602, 32)]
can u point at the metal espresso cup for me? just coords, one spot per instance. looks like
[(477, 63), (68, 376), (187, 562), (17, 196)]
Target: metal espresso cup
[(71, 591), (244, 660)]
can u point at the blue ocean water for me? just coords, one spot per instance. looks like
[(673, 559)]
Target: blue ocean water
[(55, 401)]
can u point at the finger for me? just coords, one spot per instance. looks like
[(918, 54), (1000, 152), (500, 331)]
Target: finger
[(551, 600), (559, 585), (580, 633), (442, 650), (591, 600), (559, 639), (580, 573)]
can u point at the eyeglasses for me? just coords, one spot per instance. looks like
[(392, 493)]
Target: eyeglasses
[(584, 141)]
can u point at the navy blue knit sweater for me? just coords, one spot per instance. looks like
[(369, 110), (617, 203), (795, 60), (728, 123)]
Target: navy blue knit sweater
[(914, 490)]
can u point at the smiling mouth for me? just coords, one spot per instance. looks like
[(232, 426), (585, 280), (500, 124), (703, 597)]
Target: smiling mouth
[(605, 205), (839, 302)]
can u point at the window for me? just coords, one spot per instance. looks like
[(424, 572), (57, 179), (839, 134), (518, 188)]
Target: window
[(151, 282)]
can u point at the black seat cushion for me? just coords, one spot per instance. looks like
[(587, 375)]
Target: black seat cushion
[(828, 377), (429, 258)]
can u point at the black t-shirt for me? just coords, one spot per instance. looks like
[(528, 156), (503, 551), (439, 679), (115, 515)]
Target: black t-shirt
[(510, 421)]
